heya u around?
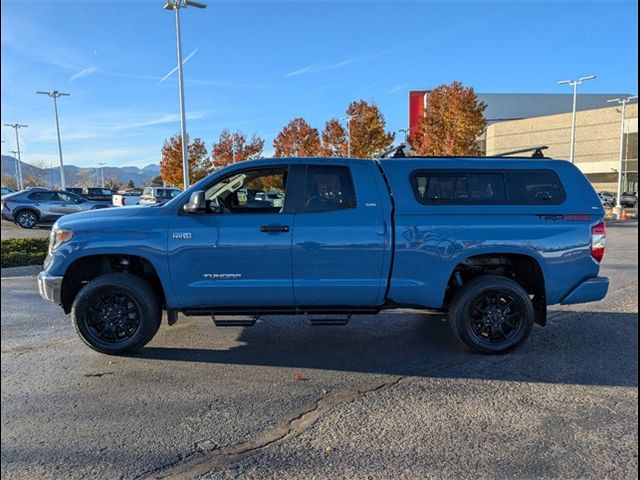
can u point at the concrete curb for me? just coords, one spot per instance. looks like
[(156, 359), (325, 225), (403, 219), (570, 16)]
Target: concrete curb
[(29, 271)]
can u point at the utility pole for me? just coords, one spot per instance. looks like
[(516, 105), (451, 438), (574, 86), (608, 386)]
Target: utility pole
[(623, 102), (176, 5), (17, 126), (55, 94), (574, 84)]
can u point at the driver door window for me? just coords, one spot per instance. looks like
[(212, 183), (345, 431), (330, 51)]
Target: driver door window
[(249, 191)]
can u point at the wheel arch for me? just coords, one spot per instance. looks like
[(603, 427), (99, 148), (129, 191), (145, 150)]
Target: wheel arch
[(86, 268), (524, 268)]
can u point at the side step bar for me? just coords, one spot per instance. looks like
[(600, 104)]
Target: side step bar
[(329, 320), (234, 322)]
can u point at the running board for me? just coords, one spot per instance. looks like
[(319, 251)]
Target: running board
[(329, 320), (234, 322)]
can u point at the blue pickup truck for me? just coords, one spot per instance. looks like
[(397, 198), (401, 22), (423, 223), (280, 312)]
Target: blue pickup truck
[(493, 241)]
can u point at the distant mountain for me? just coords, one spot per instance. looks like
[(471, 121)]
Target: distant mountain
[(80, 176)]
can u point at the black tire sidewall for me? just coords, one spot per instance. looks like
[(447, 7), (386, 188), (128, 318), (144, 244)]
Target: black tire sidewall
[(466, 297), (140, 291)]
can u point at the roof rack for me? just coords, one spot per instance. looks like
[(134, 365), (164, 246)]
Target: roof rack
[(537, 152)]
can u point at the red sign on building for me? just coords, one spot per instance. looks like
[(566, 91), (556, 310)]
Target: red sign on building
[(417, 101)]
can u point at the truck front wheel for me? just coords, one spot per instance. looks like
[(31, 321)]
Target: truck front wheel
[(116, 313), (491, 314)]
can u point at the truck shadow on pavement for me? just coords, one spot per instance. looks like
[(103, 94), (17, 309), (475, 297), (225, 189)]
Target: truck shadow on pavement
[(588, 348)]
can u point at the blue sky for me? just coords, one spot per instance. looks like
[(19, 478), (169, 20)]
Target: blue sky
[(254, 66)]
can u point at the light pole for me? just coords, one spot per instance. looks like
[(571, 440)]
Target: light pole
[(55, 94), (101, 173), (574, 84), (176, 5), (17, 126), (623, 102), (347, 118)]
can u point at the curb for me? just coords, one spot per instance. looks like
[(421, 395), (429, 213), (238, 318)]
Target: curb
[(28, 271)]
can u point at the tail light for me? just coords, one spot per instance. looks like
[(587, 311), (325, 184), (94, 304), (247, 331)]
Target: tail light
[(122, 201), (598, 241)]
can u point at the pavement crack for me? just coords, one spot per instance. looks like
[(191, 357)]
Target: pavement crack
[(197, 465)]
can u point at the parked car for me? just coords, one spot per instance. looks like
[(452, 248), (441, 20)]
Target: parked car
[(125, 199), (75, 190), (97, 194), (629, 200), (29, 208), (493, 241), (7, 191), (607, 198), (158, 195)]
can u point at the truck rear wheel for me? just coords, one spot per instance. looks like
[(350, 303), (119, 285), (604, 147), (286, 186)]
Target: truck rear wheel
[(116, 313), (491, 314)]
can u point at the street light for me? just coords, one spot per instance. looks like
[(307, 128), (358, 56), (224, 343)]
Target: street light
[(347, 118), (574, 84), (623, 102), (55, 94), (101, 173), (16, 126), (176, 5)]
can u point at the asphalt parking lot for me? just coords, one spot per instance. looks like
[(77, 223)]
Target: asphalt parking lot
[(387, 396), (11, 230)]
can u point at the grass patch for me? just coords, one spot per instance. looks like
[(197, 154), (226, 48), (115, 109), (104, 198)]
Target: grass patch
[(20, 252)]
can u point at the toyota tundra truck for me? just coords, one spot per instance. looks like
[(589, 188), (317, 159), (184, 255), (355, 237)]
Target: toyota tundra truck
[(491, 241)]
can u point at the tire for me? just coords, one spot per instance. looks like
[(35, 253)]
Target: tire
[(27, 219), (491, 314), (116, 313)]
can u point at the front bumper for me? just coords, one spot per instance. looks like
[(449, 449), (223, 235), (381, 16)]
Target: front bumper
[(50, 287), (591, 290)]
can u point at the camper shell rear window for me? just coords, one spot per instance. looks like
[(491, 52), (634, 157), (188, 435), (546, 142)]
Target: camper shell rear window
[(487, 187)]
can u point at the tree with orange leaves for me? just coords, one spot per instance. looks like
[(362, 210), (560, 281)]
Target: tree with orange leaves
[(297, 139), (334, 139), (171, 162), (452, 122), (367, 130), (234, 147)]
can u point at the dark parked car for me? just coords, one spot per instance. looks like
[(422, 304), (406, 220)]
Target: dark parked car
[(629, 200), (97, 194), (29, 208)]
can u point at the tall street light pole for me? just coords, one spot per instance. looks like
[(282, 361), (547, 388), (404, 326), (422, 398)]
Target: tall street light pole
[(17, 126), (574, 84), (55, 94), (347, 119), (102, 173), (15, 154), (176, 5), (623, 102)]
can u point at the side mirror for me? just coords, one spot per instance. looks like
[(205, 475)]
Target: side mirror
[(196, 203)]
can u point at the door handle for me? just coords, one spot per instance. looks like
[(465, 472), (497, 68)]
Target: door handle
[(274, 228)]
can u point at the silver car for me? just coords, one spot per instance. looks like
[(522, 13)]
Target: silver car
[(29, 208)]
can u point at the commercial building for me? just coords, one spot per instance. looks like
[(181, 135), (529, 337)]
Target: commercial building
[(516, 121)]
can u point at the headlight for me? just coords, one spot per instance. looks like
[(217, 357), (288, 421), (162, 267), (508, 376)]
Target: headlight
[(58, 237)]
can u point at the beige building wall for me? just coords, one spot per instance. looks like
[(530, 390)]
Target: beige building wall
[(597, 149)]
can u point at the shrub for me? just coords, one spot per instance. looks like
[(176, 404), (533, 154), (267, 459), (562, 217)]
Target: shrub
[(20, 252)]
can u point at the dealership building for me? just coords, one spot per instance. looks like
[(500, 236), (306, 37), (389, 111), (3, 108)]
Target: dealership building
[(517, 121)]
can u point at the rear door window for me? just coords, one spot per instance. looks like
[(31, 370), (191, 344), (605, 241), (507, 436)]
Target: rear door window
[(328, 188)]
